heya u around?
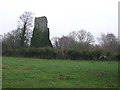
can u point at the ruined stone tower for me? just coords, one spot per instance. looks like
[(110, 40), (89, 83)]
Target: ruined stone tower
[(41, 22), (40, 37)]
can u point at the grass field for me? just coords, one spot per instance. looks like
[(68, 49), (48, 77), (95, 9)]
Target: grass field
[(38, 73)]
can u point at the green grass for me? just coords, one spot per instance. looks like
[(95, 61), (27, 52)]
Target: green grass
[(38, 73)]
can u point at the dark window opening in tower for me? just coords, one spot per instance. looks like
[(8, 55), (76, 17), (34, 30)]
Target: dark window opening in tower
[(38, 24)]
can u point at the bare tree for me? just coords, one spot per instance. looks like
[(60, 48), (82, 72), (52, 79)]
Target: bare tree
[(55, 42), (80, 39), (73, 35), (1, 36), (108, 42), (25, 24), (64, 42), (77, 40), (85, 37), (61, 42), (11, 39), (81, 36)]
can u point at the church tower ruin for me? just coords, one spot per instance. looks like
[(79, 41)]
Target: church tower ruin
[(41, 22), (40, 37)]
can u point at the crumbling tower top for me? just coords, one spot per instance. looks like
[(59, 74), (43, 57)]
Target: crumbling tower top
[(41, 22)]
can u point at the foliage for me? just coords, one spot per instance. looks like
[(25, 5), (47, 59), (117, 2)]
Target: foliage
[(50, 53), (73, 54), (40, 38), (44, 53)]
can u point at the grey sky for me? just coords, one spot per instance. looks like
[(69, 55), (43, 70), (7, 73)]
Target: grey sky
[(64, 16)]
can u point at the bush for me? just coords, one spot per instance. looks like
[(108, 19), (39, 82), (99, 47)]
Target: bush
[(50, 53), (47, 53), (96, 54), (44, 53), (116, 56), (73, 54)]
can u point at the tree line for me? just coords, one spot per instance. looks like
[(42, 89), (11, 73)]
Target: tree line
[(77, 45)]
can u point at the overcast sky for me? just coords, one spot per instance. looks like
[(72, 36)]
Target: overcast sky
[(64, 16)]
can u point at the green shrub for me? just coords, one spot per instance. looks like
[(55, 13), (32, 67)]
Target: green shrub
[(96, 54), (73, 54), (45, 53)]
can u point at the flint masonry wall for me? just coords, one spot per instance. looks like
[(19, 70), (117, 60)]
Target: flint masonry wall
[(40, 37), (41, 22)]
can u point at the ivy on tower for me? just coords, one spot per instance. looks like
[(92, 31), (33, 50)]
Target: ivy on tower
[(40, 37)]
